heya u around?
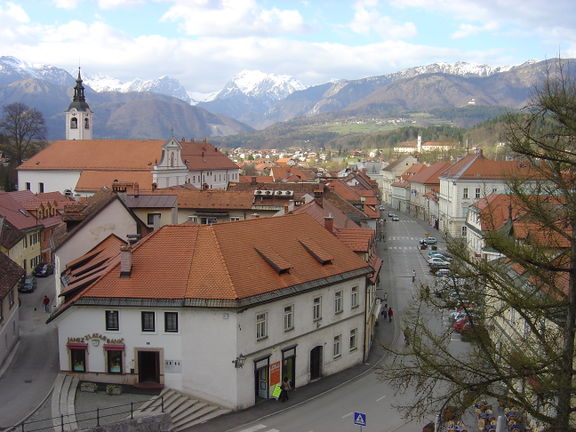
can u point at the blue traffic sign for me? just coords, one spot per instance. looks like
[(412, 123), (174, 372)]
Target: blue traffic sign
[(360, 419)]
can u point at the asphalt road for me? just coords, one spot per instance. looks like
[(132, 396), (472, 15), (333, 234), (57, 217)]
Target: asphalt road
[(28, 378)]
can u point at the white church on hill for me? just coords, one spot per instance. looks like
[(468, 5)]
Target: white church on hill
[(81, 165)]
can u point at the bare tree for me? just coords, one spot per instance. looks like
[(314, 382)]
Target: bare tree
[(24, 131), (524, 317)]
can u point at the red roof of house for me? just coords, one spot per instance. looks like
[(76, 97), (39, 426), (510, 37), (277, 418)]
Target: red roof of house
[(228, 261)]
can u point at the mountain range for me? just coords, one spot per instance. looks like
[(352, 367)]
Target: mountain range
[(461, 93)]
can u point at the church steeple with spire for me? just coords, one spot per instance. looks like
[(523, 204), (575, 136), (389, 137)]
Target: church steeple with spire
[(79, 117)]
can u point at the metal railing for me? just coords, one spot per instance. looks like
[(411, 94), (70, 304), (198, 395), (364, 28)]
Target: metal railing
[(87, 419)]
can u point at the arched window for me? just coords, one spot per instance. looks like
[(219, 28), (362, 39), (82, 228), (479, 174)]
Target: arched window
[(86, 123), (73, 123)]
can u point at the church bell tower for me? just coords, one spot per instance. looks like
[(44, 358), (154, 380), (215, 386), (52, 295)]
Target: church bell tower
[(79, 117)]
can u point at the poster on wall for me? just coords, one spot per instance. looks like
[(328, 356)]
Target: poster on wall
[(274, 373)]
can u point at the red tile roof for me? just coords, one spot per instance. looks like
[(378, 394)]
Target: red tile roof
[(319, 212), (357, 239), (211, 199), (221, 262), (429, 175), (15, 212)]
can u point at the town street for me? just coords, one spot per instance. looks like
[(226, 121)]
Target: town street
[(334, 410)]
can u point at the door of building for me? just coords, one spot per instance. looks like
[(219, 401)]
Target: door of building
[(148, 366), (316, 362), (261, 388), (289, 365)]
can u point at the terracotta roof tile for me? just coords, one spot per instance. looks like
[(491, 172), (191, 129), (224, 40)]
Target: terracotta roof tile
[(97, 154), (91, 180), (221, 261), (10, 274)]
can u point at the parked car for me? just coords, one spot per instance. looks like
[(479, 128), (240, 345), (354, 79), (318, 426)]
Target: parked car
[(431, 240), (395, 218), (467, 325), (43, 270), (442, 272), (435, 261), (436, 254), (27, 285), (390, 214)]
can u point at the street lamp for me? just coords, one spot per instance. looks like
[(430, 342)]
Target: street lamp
[(239, 361)]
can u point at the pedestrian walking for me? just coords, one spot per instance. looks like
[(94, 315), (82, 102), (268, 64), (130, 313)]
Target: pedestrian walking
[(285, 388), (390, 314), (413, 275), (46, 303)]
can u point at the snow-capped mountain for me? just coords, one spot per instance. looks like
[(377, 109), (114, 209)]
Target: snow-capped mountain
[(458, 68), (251, 94), (257, 84), (164, 85), (13, 69)]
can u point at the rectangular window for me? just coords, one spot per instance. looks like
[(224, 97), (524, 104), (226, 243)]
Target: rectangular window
[(112, 323), (234, 218), (41, 187), (27, 185), (317, 309), (465, 193), (114, 361), (208, 220), (337, 346), (463, 231), (338, 307), (494, 190), (11, 298), (288, 317), (153, 218), (261, 326), (171, 322), (477, 193), (354, 298), (148, 324), (353, 340), (25, 242), (78, 359)]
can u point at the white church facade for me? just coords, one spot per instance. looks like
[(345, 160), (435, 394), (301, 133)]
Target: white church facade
[(81, 165)]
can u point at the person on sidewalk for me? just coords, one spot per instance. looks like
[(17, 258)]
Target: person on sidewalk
[(390, 314), (413, 275), (285, 388), (46, 303)]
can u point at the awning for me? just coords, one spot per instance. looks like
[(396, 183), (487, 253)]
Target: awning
[(76, 345), (114, 347), (377, 310), (376, 263)]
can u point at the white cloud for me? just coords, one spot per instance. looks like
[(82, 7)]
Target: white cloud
[(232, 18), (368, 20), (102, 4), (465, 30), (12, 13)]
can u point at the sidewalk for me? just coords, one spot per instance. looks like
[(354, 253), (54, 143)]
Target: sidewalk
[(384, 336)]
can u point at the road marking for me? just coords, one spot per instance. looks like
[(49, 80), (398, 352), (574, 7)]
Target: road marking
[(348, 415), (254, 428), (380, 398)]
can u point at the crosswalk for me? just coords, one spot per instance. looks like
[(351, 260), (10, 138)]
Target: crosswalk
[(258, 427)]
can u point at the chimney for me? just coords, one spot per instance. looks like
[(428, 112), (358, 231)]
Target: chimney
[(136, 189), (329, 223), (125, 261), (253, 180)]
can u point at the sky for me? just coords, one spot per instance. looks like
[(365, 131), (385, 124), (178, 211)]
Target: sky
[(205, 43)]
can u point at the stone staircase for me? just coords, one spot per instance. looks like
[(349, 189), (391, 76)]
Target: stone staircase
[(184, 410), (62, 403)]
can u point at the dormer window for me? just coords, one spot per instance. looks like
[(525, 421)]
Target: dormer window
[(73, 123)]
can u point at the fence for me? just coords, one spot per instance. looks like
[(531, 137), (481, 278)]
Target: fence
[(87, 419)]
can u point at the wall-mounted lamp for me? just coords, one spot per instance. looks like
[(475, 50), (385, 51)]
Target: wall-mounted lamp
[(239, 361)]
